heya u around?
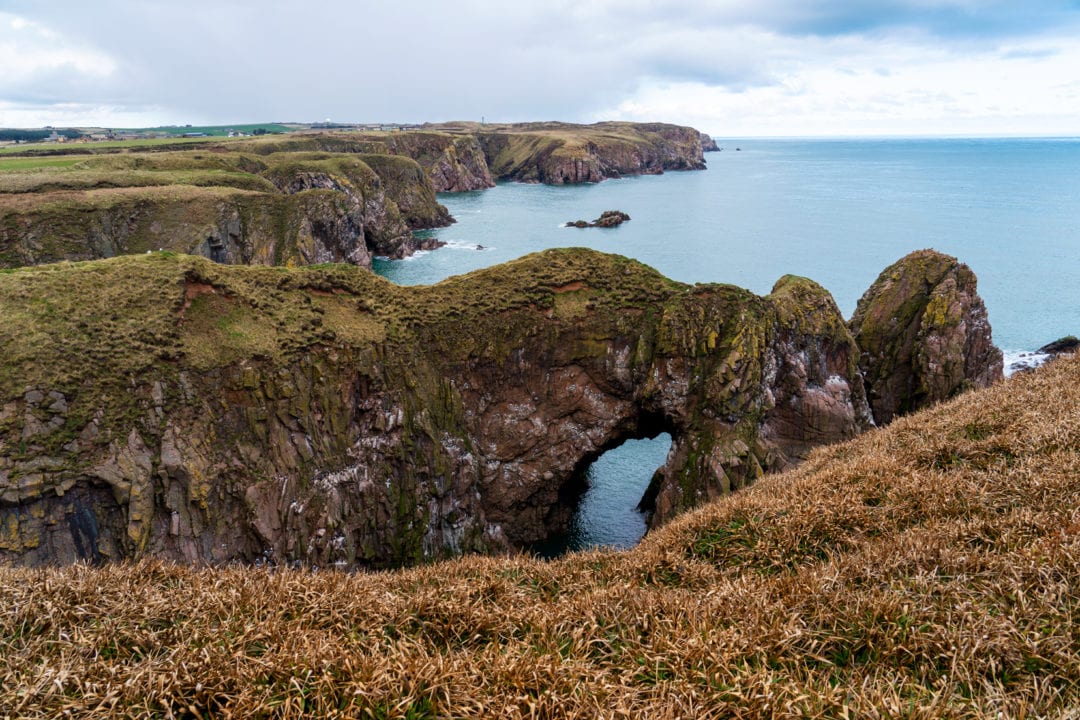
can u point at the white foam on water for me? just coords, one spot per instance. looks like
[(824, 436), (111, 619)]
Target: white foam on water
[(461, 245), (1020, 360), (414, 256)]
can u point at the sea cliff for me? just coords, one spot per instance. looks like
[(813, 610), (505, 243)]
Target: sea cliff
[(563, 153), (166, 405), (302, 198), (277, 208)]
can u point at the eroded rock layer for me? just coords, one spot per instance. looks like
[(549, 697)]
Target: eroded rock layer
[(166, 405)]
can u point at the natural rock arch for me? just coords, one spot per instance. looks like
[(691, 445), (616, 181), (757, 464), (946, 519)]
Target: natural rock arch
[(327, 416)]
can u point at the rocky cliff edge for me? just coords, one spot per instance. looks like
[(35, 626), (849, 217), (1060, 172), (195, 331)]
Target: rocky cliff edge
[(166, 405)]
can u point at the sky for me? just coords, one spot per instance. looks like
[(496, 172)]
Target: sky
[(732, 68)]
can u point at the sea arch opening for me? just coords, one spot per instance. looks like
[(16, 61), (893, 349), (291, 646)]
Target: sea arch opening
[(601, 504)]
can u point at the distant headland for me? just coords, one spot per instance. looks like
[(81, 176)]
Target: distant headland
[(278, 194)]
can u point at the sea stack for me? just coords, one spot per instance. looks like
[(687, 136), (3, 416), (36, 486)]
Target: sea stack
[(924, 335)]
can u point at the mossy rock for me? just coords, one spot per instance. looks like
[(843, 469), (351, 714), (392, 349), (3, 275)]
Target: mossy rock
[(924, 334)]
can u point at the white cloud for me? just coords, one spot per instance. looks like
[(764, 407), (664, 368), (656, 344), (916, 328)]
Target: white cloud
[(892, 89), (27, 49), (729, 66)]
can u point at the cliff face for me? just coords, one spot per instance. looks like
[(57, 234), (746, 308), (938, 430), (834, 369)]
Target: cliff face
[(405, 183), (924, 335), (558, 153), (195, 411), (412, 166), (283, 208), (454, 163)]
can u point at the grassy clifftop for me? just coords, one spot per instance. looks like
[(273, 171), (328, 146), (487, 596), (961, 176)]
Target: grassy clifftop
[(302, 206), (89, 329), (132, 312), (927, 570)]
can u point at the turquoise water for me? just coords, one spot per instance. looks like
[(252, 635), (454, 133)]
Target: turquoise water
[(837, 211), (607, 514)]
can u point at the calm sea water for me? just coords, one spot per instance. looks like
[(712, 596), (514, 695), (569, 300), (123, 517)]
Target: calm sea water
[(837, 211)]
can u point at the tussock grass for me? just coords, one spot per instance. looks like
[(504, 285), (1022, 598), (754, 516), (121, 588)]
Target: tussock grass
[(927, 570)]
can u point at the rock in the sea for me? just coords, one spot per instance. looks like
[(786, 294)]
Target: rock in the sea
[(1062, 346), (708, 144), (923, 334), (607, 219), (611, 218), (1028, 361)]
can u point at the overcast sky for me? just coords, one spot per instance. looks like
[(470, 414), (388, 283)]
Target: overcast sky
[(728, 67)]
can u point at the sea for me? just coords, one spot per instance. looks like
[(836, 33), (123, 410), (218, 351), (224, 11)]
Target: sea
[(838, 211)]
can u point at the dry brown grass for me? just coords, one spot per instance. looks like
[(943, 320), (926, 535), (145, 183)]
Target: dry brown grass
[(928, 570)]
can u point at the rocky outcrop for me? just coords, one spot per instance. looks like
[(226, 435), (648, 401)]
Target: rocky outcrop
[(607, 219), (454, 163), (1067, 345), (284, 208), (403, 180), (165, 405), (1028, 361), (708, 144), (924, 335)]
